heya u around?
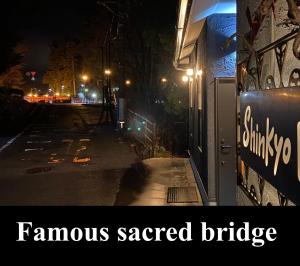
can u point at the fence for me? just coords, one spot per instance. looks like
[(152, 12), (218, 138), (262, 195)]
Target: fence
[(143, 130)]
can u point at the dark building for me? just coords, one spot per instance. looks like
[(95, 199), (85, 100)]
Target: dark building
[(206, 51), (244, 129)]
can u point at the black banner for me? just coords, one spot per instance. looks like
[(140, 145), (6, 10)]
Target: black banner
[(154, 227), (270, 136)]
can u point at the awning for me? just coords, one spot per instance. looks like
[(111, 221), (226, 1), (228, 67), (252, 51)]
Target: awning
[(192, 16)]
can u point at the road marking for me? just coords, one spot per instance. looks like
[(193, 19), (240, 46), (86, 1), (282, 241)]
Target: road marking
[(27, 150), (83, 148), (11, 141), (85, 140), (56, 161), (39, 142), (81, 160)]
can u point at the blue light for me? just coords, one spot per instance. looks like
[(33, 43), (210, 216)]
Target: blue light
[(219, 7), (226, 8)]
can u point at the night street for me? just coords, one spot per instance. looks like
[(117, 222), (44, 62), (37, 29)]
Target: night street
[(131, 103), (114, 113), (63, 158)]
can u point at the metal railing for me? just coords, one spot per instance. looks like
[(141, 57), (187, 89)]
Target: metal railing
[(143, 130), (252, 76)]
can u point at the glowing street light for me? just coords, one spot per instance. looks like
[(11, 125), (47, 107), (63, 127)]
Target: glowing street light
[(190, 72), (107, 72), (94, 95), (85, 78), (185, 79), (164, 80), (128, 82), (200, 73), (57, 94)]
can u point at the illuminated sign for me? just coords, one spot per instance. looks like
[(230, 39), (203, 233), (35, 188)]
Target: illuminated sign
[(270, 132)]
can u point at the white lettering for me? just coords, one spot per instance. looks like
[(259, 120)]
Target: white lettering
[(76, 234), (23, 231), (39, 234), (271, 232), (58, 234), (262, 146), (270, 144), (278, 148), (252, 138), (185, 234), (246, 136), (208, 234), (269, 149), (287, 151), (122, 234), (145, 234)]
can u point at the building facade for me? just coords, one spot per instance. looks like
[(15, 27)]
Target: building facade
[(269, 72), (242, 63)]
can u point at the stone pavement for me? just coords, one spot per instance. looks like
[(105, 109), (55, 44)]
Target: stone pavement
[(162, 174)]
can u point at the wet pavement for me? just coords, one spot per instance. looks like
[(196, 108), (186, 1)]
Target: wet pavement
[(161, 176), (64, 158)]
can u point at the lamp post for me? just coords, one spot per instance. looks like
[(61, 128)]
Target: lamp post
[(86, 90), (128, 82), (164, 80), (85, 79), (108, 73)]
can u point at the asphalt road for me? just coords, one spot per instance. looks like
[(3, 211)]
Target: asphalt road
[(63, 158)]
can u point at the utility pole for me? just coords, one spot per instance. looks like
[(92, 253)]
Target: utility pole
[(74, 77), (107, 114)]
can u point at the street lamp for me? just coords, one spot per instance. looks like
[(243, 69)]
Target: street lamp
[(107, 72), (128, 82), (200, 73), (85, 78), (164, 80), (86, 90), (190, 72), (94, 96), (185, 79)]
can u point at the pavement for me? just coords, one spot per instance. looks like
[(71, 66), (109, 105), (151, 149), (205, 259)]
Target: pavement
[(64, 158), (161, 175)]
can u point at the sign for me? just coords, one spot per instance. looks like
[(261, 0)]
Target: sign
[(33, 75), (270, 132)]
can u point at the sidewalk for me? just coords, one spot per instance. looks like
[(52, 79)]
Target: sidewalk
[(170, 182)]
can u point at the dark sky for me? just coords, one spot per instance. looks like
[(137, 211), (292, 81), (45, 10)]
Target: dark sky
[(41, 22)]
